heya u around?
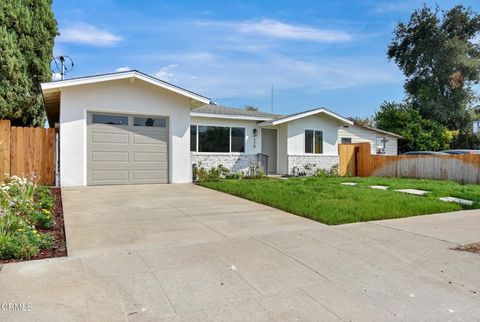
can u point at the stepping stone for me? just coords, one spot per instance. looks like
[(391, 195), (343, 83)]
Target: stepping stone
[(457, 200), (349, 183), (413, 191), (379, 187)]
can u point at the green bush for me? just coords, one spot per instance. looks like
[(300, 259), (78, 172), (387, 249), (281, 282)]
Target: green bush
[(255, 171), (20, 240), (234, 175), (24, 198), (332, 172), (24, 208), (42, 218), (213, 174)]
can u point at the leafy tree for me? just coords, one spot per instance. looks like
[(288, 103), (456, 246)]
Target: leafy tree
[(440, 56), (27, 32), (367, 121), (420, 133), (251, 108)]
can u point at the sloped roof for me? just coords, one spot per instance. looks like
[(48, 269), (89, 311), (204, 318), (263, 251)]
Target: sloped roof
[(51, 90), (377, 130), (212, 109), (299, 115), (56, 85)]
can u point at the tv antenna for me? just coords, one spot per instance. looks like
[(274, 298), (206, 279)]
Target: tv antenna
[(61, 65), (271, 99)]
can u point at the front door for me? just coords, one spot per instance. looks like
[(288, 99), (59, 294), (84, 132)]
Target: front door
[(269, 147)]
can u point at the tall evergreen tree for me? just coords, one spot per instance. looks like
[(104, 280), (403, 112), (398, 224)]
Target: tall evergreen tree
[(27, 32), (439, 53)]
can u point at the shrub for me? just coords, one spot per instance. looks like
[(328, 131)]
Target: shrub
[(297, 173), (20, 240), (24, 208), (234, 175), (255, 171), (213, 174), (332, 172), (22, 197)]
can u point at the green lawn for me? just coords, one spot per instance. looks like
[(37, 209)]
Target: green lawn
[(327, 201)]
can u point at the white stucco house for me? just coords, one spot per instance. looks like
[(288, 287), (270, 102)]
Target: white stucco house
[(131, 128)]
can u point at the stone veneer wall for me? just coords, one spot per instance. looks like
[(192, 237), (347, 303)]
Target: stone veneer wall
[(315, 161), (234, 161)]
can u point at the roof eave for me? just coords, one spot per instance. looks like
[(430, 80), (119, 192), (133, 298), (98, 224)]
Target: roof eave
[(379, 131), (231, 116), (55, 86), (339, 118)]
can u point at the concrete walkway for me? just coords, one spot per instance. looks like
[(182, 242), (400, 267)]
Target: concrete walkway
[(182, 252)]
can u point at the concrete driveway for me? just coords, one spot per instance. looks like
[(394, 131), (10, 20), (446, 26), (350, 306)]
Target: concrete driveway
[(182, 252)]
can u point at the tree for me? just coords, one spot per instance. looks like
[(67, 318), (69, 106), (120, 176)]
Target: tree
[(420, 133), (27, 32), (250, 108), (440, 57), (366, 121)]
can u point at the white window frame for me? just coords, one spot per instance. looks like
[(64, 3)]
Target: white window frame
[(313, 146), (230, 138), (384, 141), (345, 137)]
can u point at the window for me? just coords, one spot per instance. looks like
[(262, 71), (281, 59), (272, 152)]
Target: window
[(193, 138), (318, 142), (109, 119), (213, 139), (217, 139), (346, 140), (238, 139), (313, 141), (308, 141), (149, 121), (380, 144)]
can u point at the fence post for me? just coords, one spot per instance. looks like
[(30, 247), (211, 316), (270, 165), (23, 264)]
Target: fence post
[(5, 126), (363, 159)]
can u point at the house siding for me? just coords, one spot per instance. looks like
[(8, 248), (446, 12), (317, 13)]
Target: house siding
[(124, 97), (324, 123), (282, 155), (235, 162), (314, 162), (359, 134)]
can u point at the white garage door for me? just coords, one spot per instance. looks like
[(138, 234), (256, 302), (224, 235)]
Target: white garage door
[(126, 149)]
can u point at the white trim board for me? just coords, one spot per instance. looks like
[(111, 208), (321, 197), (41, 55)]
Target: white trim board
[(305, 114), (55, 86)]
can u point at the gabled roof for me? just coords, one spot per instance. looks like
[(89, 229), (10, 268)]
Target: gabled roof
[(212, 110), (296, 116), (51, 90), (377, 130), (56, 85)]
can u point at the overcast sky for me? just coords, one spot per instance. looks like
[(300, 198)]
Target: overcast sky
[(315, 53)]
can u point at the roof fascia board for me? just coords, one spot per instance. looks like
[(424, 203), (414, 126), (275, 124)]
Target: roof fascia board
[(310, 113), (229, 116), (373, 129), (55, 86)]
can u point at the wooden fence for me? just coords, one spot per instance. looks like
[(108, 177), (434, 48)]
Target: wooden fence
[(27, 151), (357, 160)]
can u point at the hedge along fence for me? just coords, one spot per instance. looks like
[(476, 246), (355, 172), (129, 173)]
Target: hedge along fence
[(463, 168), (27, 151)]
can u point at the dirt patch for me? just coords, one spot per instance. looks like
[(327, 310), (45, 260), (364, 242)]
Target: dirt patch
[(59, 246), (472, 248)]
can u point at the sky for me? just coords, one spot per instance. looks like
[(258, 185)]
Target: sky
[(314, 53)]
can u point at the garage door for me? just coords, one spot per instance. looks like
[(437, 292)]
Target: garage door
[(126, 149)]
